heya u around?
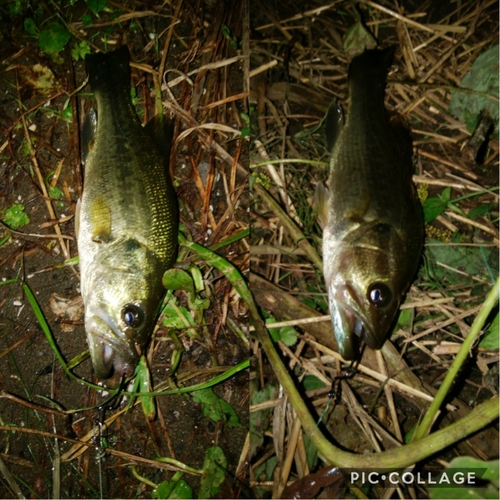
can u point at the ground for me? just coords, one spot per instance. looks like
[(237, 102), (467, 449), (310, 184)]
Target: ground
[(44, 101), (299, 62)]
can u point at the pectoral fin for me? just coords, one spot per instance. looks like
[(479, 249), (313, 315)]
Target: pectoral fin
[(100, 218), (334, 121), (88, 134), (321, 201)]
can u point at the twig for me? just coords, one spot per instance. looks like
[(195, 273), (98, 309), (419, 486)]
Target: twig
[(43, 188), (471, 222)]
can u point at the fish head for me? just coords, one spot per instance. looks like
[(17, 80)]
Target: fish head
[(120, 314), (366, 283)]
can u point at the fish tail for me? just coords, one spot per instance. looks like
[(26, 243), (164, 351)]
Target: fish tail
[(367, 79), (110, 72), (371, 65)]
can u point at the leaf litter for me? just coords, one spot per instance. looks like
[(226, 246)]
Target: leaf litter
[(298, 68)]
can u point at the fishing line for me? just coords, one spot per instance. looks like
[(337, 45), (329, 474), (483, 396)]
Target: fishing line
[(335, 394)]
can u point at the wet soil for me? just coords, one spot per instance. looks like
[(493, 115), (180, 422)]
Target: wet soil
[(36, 395)]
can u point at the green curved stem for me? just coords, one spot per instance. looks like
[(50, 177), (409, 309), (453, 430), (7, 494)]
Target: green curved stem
[(396, 458), (458, 362), (176, 463), (48, 333), (113, 392), (195, 387)]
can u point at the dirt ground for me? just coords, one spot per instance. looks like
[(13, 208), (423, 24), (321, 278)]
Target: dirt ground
[(28, 368)]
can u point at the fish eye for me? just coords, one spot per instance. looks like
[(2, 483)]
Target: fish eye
[(132, 315), (379, 294)]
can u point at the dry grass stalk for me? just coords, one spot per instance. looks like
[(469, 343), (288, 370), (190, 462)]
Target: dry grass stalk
[(431, 55)]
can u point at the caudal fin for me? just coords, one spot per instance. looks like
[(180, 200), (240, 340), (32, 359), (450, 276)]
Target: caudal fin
[(371, 65), (109, 72)]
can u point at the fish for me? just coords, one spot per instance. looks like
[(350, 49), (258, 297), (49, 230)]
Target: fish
[(126, 220), (373, 228)]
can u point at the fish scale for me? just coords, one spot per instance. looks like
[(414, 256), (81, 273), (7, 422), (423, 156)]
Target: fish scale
[(126, 221), (373, 223)]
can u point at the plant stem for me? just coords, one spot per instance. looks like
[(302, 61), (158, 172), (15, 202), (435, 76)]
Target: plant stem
[(393, 459), (290, 226), (459, 360)]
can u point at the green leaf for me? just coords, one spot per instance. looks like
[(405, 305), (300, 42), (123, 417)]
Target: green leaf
[(358, 39), (483, 78), (265, 471), (433, 207), (171, 318), (15, 217), (260, 420), (234, 43), (481, 210), (177, 279), (490, 469), (409, 435), (246, 118), (197, 278), (55, 193), (216, 408), (213, 472), (486, 476), (311, 382), (96, 5), (86, 19), (80, 50), (144, 377), (311, 452), (30, 26), (286, 334), (226, 32), (176, 488), (490, 338), (54, 38), (67, 114), (14, 8), (182, 490), (474, 261), (405, 320), (162, 490), (133, 95)]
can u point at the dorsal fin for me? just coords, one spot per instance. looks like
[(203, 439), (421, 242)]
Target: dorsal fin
[(321, 201)]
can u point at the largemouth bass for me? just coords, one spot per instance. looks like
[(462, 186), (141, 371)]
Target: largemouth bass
[(126, 221), (373, 221)]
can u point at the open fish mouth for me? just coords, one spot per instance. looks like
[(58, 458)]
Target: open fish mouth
[(109, 350), (349, 328)]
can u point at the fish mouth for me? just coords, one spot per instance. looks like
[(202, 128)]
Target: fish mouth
[(111, 353), (348, 322)]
